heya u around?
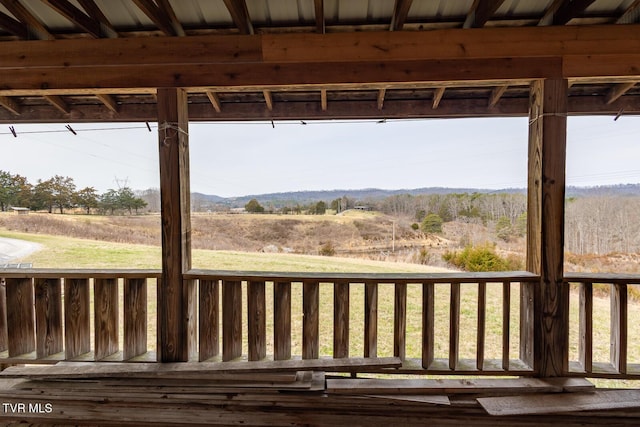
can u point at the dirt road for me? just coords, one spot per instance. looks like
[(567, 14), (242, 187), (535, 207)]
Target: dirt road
[(11, 249)]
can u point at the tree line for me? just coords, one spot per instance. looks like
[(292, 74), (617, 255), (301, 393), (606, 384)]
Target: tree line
[(59, 193)]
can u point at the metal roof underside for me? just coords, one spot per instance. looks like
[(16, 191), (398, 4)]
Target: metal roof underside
[(22, 20)]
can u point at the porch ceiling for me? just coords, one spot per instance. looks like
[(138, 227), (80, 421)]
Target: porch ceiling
[(99, 60)]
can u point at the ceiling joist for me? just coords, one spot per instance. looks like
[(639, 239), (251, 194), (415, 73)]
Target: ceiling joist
[(319, 14), (162, 15), (14, 27), (59, 103), (10, 105), (240, 15), (215, 101), (400, 13), (77, 16), (109, 101), (631, 14), (34, 27), (481, 11), (562, 11)]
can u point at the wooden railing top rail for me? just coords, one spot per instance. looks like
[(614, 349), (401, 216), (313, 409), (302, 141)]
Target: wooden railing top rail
[(461, 277), (603, 278), (78, 273)]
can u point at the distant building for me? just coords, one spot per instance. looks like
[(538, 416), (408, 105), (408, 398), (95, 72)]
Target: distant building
[(362, 208), (20, 211)]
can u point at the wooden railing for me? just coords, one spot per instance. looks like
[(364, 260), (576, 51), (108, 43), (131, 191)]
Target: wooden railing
[(592, 361), (46, 316)]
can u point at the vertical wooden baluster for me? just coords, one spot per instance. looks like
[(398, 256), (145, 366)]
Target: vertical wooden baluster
[(311, 320), (76, 317), (282, 320), (454, 326), (619, 327), (482, 316), (506, 323), (370, 320), (209, 319), (135, 317), (49, 339), (400, 321), (3, 317), (340, 320), (527, 292), (231, 319), (257, 326), (105, 316), (428, 324), (585, 346), (20, 316)]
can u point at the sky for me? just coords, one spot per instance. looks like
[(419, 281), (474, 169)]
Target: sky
[(237, 159)]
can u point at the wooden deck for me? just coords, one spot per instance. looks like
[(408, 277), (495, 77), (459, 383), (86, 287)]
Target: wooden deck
[(194, 394)]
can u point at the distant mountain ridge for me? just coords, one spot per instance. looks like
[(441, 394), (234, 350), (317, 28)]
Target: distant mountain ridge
[(305, 197)]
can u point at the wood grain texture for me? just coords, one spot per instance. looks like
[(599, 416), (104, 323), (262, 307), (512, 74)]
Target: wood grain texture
[(506, 323), (106, 317), (209, 319), (48, 299), (282, 321), (585, 334), (20, 316), (231, 320), (76, 317), (454, 325), (400, 320), (135, 318), (3, 319), (619, 327), (428, 324), (481, 331), (340, 320), (310, 320), (256, 314), (371, 319)]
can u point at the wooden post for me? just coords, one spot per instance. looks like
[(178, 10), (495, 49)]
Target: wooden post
[(545, 305), (176, 322)]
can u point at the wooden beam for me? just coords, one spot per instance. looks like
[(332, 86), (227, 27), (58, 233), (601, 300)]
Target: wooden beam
[(76, 16), (562, 11), (59, 103), (10, 105), (547, 18), (215, 101), (381, 94), (109, 101), (240, 15), (618, 90), (545, 226), (496, 94), (319, 14), (268, 99), (94, 12), (173, 300), (400, 13), (631, 14), (14, 27), (437, 97), (323, 99), (35, 27), (480, 12), (162, 16)]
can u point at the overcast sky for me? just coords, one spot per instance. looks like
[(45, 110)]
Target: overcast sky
[(230, 159)]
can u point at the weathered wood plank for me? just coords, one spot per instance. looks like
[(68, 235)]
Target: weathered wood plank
[(371, 319), (481, 331), (256, 313), (400, 320), (174, 311), (506, 323), (340, 320), (3, 317), (135, 317), (106, 317), (231, 319), (428, 324), (282, 321), (20, 316), (310, 320), (76, 317), (209, 319), (585, 337), (454, 325), (48, 299), (619, 327)]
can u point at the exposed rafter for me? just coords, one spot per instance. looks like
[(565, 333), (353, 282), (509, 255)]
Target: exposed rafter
[(59, 103), (381, 94), (16, 28), (215, 101), (319, 13), (631, 14), (562, 11), (618, 90), (240, 15), (92, 9), (162, 15), (400, 13), (77, 16), (480, 12), (437, 97), (35, 28), (268, 99), (109, 101), (10, 105), (496, 94), (323, 99)]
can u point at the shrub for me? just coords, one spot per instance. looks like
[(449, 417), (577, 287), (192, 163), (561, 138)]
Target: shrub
[(432, 223), (415, 226), (482, 258), (327, 249)]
